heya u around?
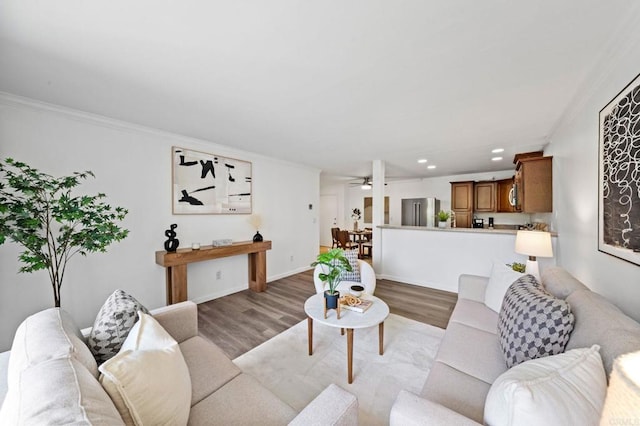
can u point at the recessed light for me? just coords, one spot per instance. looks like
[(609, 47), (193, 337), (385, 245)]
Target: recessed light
[(497, 150), (496, 159), (432, 166), (422, 160)]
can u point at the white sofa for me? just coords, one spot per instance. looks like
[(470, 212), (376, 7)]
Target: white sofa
[(50, 377), (470, 358)]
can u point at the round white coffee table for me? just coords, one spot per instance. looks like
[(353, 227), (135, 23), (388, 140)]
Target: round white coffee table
[(349, 320)]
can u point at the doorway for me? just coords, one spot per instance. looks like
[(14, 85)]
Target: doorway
[(328, 218)]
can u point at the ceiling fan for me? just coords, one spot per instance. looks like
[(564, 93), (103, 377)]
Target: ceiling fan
[(365, 184)]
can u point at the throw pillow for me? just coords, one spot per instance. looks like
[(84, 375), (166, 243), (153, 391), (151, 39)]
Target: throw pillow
[(564, 389), (532, 323), (148, 380), (501, 278), (354, 275), (112, 325)]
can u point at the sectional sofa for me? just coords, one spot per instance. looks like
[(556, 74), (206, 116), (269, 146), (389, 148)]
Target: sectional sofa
[(470, 358), (51, 377)]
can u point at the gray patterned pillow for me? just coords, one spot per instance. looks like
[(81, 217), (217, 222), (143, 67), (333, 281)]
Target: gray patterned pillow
[(354, 275), (112, 325), (532, 323)]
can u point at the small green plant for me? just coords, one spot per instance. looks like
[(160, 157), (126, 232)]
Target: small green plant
[(333, 262), (39, 212), (443, 216), (518, 267)]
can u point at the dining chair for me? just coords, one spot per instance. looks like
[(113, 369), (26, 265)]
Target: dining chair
[(344, 241), (334, 237)]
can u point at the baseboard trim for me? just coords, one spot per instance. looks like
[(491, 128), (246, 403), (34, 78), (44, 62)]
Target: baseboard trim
[(236, 289)]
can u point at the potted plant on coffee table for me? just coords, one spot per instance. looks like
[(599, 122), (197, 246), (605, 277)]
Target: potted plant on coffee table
[(333, 264), (442, 219)]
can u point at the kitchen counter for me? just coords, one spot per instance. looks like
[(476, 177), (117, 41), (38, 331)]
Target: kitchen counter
[(435, 257), (500, 229)]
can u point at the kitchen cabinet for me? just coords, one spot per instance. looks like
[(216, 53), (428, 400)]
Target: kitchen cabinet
[(505, 195), (534, 185), (462, 203), (485, 197)]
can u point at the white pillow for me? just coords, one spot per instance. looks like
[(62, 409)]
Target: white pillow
[(563, 389), (501, 278), (148, 380)]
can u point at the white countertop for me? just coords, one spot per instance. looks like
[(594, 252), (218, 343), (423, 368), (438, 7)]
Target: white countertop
[(472, 230)]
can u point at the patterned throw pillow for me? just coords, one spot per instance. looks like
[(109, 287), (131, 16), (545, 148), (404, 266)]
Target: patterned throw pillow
[(354, 275), (112, 325), (532, 323)]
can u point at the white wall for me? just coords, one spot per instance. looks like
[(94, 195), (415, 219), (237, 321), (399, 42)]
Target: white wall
[(132, 166), (438, 187), (574, 147)]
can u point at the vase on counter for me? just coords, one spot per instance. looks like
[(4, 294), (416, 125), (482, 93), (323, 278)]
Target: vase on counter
[(355, 225), (442, 224)]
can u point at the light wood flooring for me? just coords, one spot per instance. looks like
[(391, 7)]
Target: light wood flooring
[(241, 321)]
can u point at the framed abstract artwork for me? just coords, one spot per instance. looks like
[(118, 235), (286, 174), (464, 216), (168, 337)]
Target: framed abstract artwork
[(209, 184), (619, 175)]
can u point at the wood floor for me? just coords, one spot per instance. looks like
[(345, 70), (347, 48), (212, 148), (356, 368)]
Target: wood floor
[(241, 321)]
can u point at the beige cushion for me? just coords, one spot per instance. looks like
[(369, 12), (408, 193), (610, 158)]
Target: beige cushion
[(148, 379), (46, 335), (600, 322), (500, 279), (483, 359), (564, 389), (209, 367), (243, 401), (456, 390), (69, 395), (476, 315), (560, 283)]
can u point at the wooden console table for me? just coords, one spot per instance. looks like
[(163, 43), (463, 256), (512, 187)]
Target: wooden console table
[(176, 265)]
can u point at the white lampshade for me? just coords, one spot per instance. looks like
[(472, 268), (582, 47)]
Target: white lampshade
[(622, 405), (534, 243)]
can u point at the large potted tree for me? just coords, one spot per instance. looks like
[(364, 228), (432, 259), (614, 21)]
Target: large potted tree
[(39, 212), (333, 264)]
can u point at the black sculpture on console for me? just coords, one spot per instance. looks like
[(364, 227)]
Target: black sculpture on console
[(172, 243)]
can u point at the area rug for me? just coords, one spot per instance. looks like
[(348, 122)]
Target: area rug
[(283, 365)]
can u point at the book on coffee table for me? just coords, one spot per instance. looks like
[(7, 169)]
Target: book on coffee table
[(363, 306)]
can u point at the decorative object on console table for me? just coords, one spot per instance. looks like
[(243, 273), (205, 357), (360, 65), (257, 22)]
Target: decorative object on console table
[(39, 212), (356, 215), (619, 185), (442, 219), (532, 244), (210, 184), (256, 221), (333, 264), (172, 242)]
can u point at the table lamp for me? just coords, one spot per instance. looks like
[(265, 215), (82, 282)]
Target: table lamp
[(622, 405), (532, 244)]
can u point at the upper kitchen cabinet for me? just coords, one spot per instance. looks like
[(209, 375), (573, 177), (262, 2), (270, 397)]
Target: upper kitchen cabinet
[(506, 196), (533, 185), (485, 197), (462, 203)]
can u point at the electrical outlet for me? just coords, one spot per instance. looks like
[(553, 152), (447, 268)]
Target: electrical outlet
[(218, 275)]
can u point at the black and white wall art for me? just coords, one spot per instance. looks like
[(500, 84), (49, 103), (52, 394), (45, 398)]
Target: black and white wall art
[(619, 175), (210, 184)]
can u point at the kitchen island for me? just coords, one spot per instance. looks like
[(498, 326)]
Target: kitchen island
[(435, 257)]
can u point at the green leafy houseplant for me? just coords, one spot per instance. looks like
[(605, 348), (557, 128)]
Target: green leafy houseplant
[(333, 262), (518, 267), (39, 212), (443, 216)]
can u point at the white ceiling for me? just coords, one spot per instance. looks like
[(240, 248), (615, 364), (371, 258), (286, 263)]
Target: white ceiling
[(332, 84)]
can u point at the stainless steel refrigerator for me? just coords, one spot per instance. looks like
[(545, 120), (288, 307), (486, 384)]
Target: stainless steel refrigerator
[(420, 212)]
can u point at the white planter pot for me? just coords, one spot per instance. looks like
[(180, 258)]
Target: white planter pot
[(442, 224)]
